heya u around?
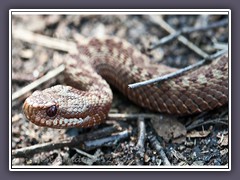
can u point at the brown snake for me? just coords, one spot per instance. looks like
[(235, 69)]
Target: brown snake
[(88, 101)]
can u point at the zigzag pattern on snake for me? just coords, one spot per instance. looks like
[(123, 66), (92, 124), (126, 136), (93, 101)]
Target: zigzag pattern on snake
[(87, 101)]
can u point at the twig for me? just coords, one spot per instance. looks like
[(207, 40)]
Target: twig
[(159, 21), (216, 55), (107, 141), (220, 46), (178, 72), (210, 121), (141, 133), (131, 116), (156, 145), (38, 82), (141, 140), (88, 159), (33, 38), (79, 151), (68, 142), (30, 151), (188, 30)]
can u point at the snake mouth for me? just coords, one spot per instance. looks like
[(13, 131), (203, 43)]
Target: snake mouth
[(64, 123), (72, 122), (41, 117)]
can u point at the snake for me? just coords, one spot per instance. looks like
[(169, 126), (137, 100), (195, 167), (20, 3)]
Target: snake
[(86, 98)]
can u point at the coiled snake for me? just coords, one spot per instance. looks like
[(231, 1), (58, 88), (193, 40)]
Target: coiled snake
[(87, 101)]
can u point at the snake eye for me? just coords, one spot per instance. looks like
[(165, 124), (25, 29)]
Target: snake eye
[(52, 111)]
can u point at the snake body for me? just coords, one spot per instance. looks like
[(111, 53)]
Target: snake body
[(87, 101)]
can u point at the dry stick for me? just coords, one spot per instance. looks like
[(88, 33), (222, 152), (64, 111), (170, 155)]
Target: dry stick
[(79, 151), (211, 121), (88, 159), (38, 148), (141, 133), (188, 30), (220, 46), (216, 55), (38, 82), (178, 72), (114, 116), (156, 145), (159, 21), (68, 142), (107, 141), (33, 38), (141, 140)]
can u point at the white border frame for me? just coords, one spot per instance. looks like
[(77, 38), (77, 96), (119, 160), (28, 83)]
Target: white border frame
[(115, 12)]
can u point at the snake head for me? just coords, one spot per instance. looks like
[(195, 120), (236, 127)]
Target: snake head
[(62, 107), (41, 108)]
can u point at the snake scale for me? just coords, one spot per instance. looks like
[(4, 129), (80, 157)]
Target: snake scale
[(88, 100)]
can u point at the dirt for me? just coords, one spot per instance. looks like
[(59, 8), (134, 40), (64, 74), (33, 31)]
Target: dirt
[(205, 143)]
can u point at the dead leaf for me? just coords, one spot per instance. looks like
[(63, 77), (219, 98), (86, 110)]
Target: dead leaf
[(169, 129), (203, 133), (194, 133)]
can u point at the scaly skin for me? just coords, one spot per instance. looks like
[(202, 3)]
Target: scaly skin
[(88, 101)]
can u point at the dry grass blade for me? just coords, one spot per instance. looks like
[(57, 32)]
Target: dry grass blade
[(36, 83), (45, 41), (159, 20)]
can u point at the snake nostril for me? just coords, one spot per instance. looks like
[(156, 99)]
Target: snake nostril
[(51, 111)]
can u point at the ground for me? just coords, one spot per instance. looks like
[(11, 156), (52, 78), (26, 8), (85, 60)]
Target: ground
[(197, 140)]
